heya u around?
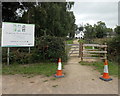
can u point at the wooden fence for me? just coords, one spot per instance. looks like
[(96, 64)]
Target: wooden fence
[(74, 47), (92, 51), (88, 51)]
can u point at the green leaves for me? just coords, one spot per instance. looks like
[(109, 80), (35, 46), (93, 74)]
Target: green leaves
[(114, 49), (51, 18), (117, 30), (99, 30)]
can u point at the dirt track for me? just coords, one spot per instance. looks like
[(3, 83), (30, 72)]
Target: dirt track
[(78, 80)]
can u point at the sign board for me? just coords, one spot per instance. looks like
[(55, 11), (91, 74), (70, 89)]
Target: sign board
[(17, 35)]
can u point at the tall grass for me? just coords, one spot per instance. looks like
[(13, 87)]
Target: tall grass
[(113, 67), (37, 69)]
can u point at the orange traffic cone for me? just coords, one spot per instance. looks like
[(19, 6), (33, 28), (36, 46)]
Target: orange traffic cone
[(59, 71), (106, 76)]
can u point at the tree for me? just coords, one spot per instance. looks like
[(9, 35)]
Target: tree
[(117, 30), (114, 46), (11, 11), (81, 28), (50, 18), (100, 29), (89, 31), (114, 49), (109, 32)]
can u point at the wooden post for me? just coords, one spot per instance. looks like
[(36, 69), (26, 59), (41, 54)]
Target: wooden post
[(28, 23), (8, 56), (29, 49), (105, 53), (81, 51), (66, 47)]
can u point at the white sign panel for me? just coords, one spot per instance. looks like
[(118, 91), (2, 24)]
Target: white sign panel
[(17, 35)]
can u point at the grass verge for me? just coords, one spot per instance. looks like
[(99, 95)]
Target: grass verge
[(113, 67), (69, 41), (81, 40), (46, 69)]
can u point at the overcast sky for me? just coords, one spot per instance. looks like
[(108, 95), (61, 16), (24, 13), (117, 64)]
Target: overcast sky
[(92, 12)]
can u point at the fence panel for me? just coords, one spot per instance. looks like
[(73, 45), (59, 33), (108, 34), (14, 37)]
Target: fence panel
[(93, 51)]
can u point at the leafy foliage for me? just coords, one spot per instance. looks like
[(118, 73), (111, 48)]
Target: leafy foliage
[(114, 49), (114, 46), (47, 48), (99, 30), (117, 30), (53, 20), (50, 18), (9, 12), (89, 32), (52, 48)]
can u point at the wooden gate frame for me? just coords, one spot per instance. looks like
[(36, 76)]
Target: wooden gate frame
[(74, 49), (81, 51)]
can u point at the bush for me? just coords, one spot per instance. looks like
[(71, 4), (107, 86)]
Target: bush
[(46, 49), (114, 49), (51, 48)]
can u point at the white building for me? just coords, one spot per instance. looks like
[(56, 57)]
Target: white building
[(79, 34)]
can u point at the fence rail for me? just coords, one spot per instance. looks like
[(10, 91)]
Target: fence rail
[(94, 45), (72, 44), (93, 58), (95, 50)]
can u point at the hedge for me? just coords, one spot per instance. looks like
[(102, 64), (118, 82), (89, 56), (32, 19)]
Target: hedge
[(46, 49), (114, 49)]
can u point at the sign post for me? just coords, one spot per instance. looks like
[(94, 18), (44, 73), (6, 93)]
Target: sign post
[(8, 56), (17, 35), (29, 49)]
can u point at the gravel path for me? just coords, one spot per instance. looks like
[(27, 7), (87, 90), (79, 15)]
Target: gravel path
[(78, 80)]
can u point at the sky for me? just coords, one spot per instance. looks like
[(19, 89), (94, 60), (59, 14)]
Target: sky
[(92, 12)]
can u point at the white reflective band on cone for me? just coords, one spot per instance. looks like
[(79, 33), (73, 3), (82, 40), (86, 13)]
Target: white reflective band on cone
[(105, 68), (59, 66)]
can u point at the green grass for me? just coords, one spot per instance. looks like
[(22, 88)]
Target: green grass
[(81, 40), (88, 47), (69, 41), (54, 85), (47, 69), (112, 67), (101, 40)]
